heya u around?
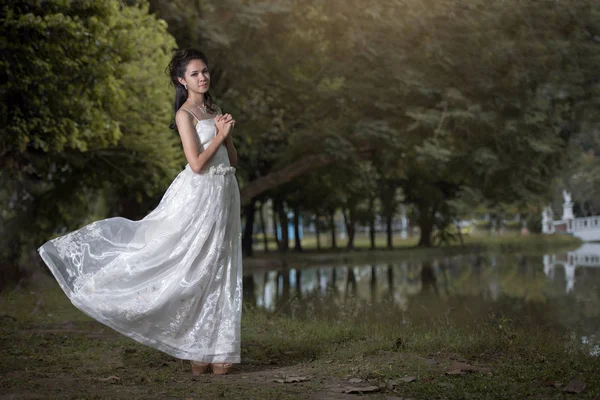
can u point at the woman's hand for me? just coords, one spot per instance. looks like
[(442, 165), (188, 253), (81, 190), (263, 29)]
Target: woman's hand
[(224, 124)]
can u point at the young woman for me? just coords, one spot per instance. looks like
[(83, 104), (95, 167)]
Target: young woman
[(173, 280)]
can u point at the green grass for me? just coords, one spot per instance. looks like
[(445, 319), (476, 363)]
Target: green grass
[(51, 350), (362, 241), (406, 249)]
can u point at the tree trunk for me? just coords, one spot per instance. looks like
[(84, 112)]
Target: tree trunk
[(389, 220), (372, 223), (263, 227), (286, 174), (349, 222), (318, 232), (297, 240), (332, 229), (426, 232), (426, 223), (274, 215), (284, 244), (297, 168), (372, 234), (249, 210)]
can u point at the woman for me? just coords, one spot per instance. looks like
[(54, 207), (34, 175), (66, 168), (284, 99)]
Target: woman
[(173, 280)]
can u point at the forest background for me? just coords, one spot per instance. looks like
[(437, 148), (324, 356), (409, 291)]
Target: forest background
[(441, 106)]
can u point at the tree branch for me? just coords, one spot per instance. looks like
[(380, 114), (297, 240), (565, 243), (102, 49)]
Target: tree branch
[(286, 174)]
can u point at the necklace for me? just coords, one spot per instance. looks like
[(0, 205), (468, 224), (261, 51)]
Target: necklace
[(203, 109)]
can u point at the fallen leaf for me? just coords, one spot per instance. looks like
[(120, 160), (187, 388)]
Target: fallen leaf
[(455, 372), (361, 389), (552, 383), (292, 379), (111, 379), (458, 368), (392, 383), (575, 386), (408, 379), (355, 380)]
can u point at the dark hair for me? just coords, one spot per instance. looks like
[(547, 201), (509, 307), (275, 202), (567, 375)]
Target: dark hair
[(176, 69)]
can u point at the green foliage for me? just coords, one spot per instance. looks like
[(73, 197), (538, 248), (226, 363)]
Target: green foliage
[(85, 114), (534, 223), (473, 104)]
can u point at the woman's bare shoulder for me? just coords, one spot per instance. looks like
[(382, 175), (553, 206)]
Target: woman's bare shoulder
[(183, 115)]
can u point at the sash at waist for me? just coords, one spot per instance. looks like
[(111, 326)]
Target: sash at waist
[(220, 169)]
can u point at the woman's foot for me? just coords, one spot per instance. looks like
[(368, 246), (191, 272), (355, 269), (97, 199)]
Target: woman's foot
[(199, 368), (221, 369)]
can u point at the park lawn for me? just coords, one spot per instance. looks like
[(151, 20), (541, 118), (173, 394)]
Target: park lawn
[(51, 350), (362, 241), (408, 250)]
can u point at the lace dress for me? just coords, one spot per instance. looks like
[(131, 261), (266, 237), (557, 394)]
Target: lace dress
[(173, 280)]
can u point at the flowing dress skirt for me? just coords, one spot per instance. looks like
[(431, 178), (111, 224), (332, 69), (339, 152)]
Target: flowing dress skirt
[(173, 280)]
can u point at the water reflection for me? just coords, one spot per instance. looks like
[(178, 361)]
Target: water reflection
[(587, 255), (561, 289)]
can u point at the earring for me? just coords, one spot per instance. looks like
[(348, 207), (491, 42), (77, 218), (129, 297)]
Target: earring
[(185, 86)]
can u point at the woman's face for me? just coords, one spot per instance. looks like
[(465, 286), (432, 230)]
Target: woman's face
[(197, 76)]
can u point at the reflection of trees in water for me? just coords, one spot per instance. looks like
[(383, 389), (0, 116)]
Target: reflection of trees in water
[(333, 279), (299, 282), (282, 302), (447, 265), (248, 289), (350, 282), (463, 282), (373, 291), (428, 278)]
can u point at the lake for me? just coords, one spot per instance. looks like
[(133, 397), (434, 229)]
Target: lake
[(561, 289)]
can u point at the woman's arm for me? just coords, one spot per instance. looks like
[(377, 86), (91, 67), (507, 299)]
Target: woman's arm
[(231, 151), (196, 158)]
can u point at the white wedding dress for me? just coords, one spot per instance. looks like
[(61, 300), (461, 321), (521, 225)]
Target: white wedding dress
[(173, 280)]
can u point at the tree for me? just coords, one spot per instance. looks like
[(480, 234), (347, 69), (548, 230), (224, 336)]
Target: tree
[(86, 127), (488, 108)]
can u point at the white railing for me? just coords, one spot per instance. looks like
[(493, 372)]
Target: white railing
[(584, 260), (582, 224), (577, 260)]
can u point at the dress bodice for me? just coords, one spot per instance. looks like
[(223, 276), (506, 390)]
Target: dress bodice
[(219, 163)]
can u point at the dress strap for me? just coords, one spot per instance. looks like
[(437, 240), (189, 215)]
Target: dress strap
[(193, 115)]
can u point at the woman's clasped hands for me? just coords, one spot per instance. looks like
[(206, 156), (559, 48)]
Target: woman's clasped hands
[(224, 124)]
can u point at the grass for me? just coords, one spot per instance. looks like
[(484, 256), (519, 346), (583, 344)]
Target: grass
[(362, 241), (48, 349), (406, 249)]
